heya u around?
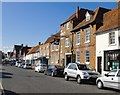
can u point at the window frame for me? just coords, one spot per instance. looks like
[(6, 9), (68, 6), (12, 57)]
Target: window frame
[(87, 35), (77, 38), (112, 38), (67, 42), (87, 58)]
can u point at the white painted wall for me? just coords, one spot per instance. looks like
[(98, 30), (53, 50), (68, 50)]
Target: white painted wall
[(102, 44)]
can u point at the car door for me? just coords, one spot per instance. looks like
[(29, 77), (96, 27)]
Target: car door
[(117, 80), (109, 79), (69, 70), (74, 71)]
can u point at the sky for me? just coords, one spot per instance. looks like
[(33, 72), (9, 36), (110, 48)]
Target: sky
[(29, 23)]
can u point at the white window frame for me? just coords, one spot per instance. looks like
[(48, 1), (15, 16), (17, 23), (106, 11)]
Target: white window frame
[(87, 35), (87, 57), (67, 25), (77, 38), (78, 59), (112, 38), (57, 47), (67, 42), (52, 46)]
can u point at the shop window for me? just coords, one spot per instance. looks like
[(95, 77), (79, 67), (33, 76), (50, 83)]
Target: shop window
[(111, 60)]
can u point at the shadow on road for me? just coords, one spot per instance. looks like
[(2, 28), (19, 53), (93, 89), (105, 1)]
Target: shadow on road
[(6, 75), (8, 92)]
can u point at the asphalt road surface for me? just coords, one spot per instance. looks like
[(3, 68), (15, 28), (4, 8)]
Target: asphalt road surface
[(18, 80)]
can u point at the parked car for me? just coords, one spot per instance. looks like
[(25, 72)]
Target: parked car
[(110, 80), (80, 72), (40, 67), (27, 66), (22, 65), (16, 64), (54, 70)]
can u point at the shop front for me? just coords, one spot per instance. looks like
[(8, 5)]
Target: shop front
[(111, 60)]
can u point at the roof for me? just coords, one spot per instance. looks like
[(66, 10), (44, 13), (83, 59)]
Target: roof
[(17, 47), (51, 38), (74, 15), (33, 49), (110, 21), (97, 17)]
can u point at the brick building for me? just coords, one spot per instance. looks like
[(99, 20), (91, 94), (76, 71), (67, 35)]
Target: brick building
[(84, 40)]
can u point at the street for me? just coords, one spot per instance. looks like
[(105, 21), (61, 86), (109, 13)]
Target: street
[(18, 80)]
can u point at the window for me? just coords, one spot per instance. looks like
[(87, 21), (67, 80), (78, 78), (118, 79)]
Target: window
[(87, 55), (112, 73), (78, 56), (87, 35), (119, 41), (44, 51), (68, 26), (52, 46), (118, 74), (56, 47), (71, 66), (67, 42), (61, 49), (78, 38), (112, 38), (57, 57)]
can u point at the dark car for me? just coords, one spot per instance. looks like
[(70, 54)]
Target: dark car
[(54, 70)]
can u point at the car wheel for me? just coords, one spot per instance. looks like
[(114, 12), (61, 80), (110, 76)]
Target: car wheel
[(52, 74), (99, 84), (66, 77), (78, 79)]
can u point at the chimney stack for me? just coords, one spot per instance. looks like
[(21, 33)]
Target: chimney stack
[(77, 12), (39, 43)]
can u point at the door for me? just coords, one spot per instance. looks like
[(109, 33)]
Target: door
[(109, 79), (99, 63), (68, 59)]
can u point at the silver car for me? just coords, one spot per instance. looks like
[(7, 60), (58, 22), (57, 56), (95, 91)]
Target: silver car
[(80, 72), (110, 80)]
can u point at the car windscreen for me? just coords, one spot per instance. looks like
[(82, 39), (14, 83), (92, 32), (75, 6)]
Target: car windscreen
[(83, 67)]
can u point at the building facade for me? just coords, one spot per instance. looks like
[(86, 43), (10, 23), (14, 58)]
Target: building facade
[(84, 38), (108, 43)]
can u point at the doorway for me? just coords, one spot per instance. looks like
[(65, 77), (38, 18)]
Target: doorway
[(68, 59), (99, 63)]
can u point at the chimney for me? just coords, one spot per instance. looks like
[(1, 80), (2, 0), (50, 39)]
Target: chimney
[(22, 45), (77, 12), (39, 43)]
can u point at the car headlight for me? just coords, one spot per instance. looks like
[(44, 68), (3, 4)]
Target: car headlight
[(84, 73)]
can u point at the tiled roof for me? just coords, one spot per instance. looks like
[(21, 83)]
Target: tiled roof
[(97, 17), (110, 20), (33, 49), (51, 39), (74, 15)]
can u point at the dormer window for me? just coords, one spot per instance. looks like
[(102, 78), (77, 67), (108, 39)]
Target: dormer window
[(88, 16)]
